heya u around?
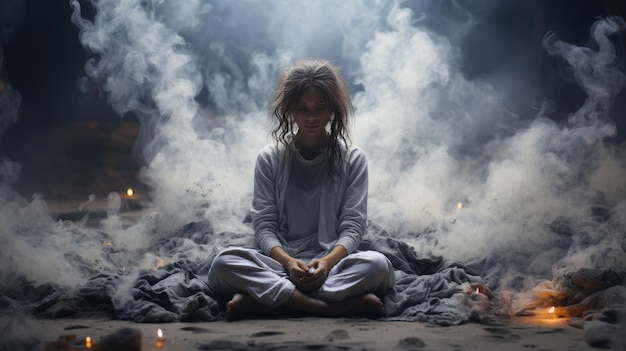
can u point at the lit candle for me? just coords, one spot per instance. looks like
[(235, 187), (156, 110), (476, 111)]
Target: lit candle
[(88, 342), (130, 192), (551, 312), (159, 341)]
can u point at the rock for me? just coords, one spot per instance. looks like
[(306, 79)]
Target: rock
[(598, 334)]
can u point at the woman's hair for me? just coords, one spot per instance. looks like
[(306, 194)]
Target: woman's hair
[(325, 76)]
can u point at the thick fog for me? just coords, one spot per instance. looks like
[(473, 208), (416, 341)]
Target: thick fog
[(452, 170)]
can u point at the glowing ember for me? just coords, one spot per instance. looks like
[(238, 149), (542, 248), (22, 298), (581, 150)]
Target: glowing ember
[(88, 342), (459, 205), (159, 262), (130, 192)]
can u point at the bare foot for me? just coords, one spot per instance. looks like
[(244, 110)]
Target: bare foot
[(371, 306), (241, 306), (368, 305)]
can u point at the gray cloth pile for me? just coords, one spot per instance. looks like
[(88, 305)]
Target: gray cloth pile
[(428, 289)]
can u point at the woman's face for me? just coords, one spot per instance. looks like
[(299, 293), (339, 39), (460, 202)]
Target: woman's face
[(312, 113)]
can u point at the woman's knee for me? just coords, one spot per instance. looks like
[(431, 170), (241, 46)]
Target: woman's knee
[(224, 259), (379, 264), (381, 267)]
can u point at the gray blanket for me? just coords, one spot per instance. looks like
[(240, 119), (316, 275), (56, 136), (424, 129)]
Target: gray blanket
[(428, 289)]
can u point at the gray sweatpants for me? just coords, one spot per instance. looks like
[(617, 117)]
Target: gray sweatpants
[(240, 270)]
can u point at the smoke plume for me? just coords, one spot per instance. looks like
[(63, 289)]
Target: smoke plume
[(452, 169)]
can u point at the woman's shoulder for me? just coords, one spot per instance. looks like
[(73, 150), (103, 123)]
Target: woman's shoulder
[(270, 152), (357, 154), (268, 149), (353, 158)]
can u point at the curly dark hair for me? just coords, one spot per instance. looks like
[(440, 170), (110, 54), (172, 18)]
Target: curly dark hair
[(295, 80)]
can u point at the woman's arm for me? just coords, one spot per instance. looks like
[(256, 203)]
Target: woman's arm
[(264, 202), (352, 217)]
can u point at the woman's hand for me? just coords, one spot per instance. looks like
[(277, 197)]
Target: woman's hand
[(296, 270), (308, 277), (305, 277), (318, 270)]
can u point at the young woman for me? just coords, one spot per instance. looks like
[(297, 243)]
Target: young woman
[(309, 211)]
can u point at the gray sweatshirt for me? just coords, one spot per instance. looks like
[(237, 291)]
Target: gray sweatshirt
[(342, 203)]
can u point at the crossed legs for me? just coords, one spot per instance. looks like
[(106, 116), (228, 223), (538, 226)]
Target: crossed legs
[(368, 305), (258, 286)]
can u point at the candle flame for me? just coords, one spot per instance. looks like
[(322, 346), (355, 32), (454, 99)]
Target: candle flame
[(159, 333), (459, 205), (88, 342), (551, 310), (130, 192)]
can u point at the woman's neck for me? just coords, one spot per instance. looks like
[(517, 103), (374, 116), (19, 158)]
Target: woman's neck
[(309, 147)]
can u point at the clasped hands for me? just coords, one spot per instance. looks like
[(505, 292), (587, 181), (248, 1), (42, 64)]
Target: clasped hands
[(308, 277)]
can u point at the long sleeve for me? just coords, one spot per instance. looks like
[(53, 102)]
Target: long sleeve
[(352, 217), (265, 216)]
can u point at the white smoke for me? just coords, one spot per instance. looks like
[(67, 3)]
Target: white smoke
[(415, 111), (525, 196), (199, 74)]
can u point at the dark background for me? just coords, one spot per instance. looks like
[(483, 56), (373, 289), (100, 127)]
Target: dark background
[(70, 143)]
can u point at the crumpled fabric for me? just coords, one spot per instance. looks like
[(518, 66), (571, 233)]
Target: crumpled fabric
[(428, 288)]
